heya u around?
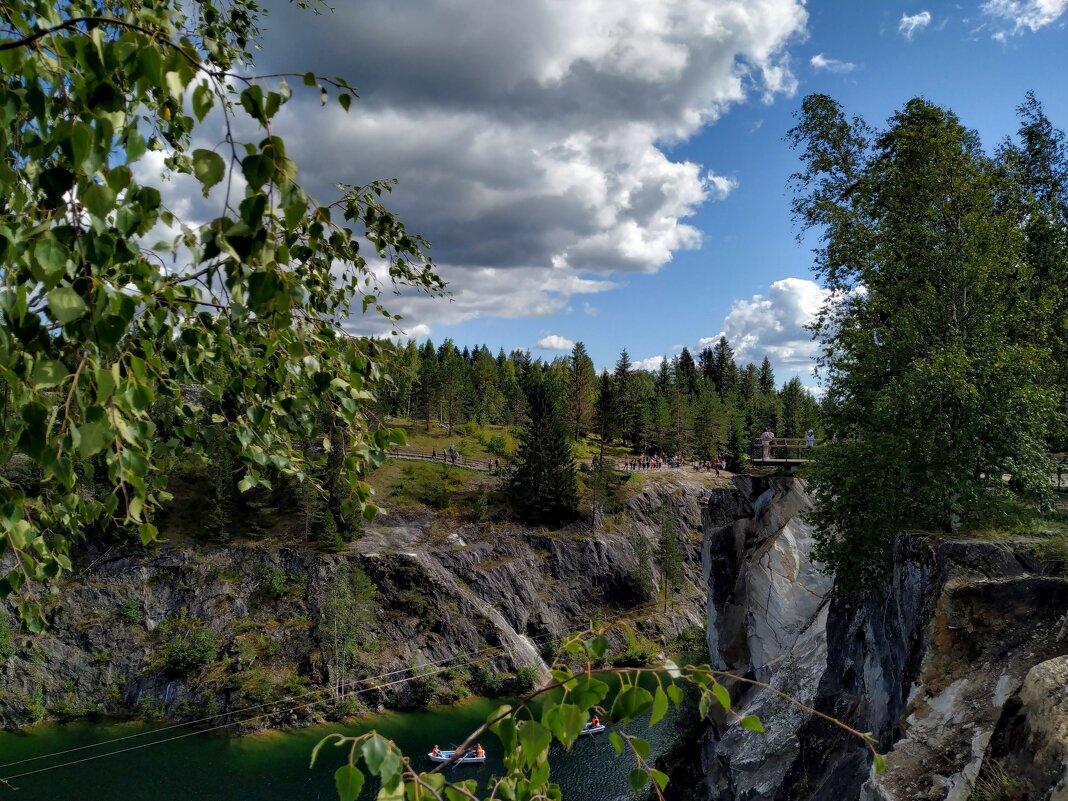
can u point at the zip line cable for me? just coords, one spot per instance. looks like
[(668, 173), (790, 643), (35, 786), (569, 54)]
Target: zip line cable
[(290, 698), (242, 710), (6, 779), (441, 668)]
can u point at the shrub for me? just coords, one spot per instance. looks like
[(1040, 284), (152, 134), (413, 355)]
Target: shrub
[(279, 584), (35, 706), (995, 784), (525, 679), (482, 507), (424, 686), (638, 653), (131, 612), (550, 649), (7, 641), (486, 681), (151, 708), (188, 645)]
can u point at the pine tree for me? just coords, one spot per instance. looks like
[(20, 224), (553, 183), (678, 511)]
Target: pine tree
[(582, 390), (542, 486), (669, 552), (724, 373), (626, 409), (429, 382), (686, 372), (604, 410), (643, 570), (737, 450), (766, 378)]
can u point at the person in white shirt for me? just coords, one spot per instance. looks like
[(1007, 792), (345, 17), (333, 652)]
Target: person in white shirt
[(765, 442)]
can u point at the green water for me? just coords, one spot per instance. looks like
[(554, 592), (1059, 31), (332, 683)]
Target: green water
[(209, 766)]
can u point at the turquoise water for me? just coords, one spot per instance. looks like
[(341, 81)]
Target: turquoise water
[(210, 766)]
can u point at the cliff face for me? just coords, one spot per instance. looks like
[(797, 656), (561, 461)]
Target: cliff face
[(932, 663), (190, 632)]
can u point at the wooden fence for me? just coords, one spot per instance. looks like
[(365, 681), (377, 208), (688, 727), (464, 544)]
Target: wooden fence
[(442, 457)]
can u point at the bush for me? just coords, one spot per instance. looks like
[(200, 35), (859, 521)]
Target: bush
[(131, 612), (151, 708), (487, 682), (7, 641), (500, 445), (995, 784), (35, 706), (525, 679), (188, 645), (638, 653), (279, 584), (550, 649)]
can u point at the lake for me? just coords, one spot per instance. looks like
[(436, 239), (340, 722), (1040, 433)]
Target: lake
[(272, 766)]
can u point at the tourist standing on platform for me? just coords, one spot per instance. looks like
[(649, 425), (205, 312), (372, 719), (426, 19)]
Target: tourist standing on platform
[(765, 443)]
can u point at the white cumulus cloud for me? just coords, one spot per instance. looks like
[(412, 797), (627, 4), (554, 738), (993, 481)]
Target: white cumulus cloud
[(1012, 17), (910, 23), (720, 186), (532, 138), (773, 325), (555, 342), (821, 62), (650, 365)]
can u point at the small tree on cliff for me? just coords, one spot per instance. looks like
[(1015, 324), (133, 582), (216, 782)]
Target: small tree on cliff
[(669, 552), (542, 487)]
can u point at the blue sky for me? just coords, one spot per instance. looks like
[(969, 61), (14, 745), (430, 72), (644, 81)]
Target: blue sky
[(515, 134)]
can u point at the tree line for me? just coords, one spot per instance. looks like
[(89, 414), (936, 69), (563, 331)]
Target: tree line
[(692, 407)]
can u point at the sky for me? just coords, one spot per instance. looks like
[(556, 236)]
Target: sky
[(614, 171)]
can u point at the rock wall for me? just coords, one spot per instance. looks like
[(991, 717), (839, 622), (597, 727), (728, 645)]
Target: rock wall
[(444, 591), (930, 663)]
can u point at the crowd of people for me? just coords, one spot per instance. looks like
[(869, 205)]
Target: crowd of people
[(652, 462), (660, 461)]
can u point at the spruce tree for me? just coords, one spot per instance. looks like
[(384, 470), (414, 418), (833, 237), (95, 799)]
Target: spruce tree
[(542, 487), (669, 552)]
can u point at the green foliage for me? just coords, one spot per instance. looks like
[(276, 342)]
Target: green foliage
[(118, 357), (995, 784), (542, 486), (345, 617), (424, 685), (151, 708), (1052, 552), (669, 554), (279, 584), (7, 640), (639, 652), (487, 681), (35, 707), (130, 612), (643, 568), (941, 363), (525, 679), (186, 644)]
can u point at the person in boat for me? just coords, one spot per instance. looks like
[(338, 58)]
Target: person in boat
[(480, 752), (593, 724), (436, 752)]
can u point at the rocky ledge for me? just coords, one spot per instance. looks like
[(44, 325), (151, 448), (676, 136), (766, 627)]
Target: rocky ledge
[(947, 664), (195, 632)]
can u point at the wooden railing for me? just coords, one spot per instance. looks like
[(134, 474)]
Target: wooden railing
[(443, 457), (781, 451)]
